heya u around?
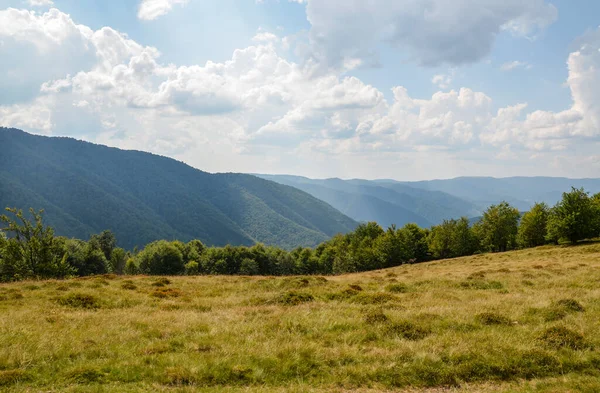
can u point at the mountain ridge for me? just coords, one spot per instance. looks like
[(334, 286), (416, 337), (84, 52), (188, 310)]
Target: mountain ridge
[(86, 188)]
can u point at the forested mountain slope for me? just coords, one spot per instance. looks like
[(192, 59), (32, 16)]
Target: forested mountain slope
[(384, 202), (86, 188)]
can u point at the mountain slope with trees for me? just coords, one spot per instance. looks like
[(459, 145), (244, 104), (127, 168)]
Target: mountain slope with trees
[(387, 203), (87, 188)]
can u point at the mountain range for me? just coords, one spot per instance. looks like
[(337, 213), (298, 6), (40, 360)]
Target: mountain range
[(85, 188), (430, 202)]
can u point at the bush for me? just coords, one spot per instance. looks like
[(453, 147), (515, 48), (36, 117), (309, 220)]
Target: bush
[(192, 268), (161, 257), (161, 282), (130, 267), (129, 285), (375, 317), (80, 300), (490, 318), (295, 298), (408, 330), (561, 337), (249, 267), (570, 305)]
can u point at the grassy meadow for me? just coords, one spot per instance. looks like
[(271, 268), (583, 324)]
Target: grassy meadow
[(523, 321)]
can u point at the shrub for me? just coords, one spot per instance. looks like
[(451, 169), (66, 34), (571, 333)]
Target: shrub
[(490, 318), (161, 257), (375, 317), (129, 285), (561, 337), (408, 330), (192, 268), (570, 305), (130, 267), (80, 300), (249, 267), (161, 282), (295, 298)]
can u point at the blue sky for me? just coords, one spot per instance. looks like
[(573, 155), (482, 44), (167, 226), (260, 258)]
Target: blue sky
[(400, 89)]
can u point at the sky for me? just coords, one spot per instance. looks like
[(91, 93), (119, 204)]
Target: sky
[(397, 89)]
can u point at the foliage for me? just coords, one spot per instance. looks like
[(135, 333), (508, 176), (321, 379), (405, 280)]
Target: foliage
[(533, 226), (451, 239), (368, 247), (576, 217), (160, 257), (31, 250), (498, 228)]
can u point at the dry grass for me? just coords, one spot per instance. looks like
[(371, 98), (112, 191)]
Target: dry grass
[(523, 321)]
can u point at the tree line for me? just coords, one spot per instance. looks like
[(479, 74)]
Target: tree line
[(29, 249)]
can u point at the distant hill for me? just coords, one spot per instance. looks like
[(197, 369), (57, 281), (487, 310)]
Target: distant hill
[(86, 188), (430, 202), (521, 192), (384, 202)]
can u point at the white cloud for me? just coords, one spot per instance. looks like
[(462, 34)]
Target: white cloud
[(152, 9), (259, 110), (430, 32), (512, 65), (443, 81)]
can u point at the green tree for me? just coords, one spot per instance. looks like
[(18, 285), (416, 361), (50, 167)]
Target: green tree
[(32, 250), (575, 217), (249, 267), (497, 229), (464, 241), (414, 241), (118, 260), (160, 257), (106, 242), (533, 226)]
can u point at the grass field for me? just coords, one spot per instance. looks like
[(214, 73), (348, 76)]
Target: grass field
[(526, 321)]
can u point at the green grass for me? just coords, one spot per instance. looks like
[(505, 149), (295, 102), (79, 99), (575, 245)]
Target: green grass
[(523, 321)]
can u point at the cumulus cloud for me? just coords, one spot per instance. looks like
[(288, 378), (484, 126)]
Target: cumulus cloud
[(258, 109), (430, 32), (152, 9)]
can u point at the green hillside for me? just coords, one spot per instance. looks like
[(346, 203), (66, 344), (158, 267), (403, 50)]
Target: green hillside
[(86, 188), (524, 321), (386, 203)]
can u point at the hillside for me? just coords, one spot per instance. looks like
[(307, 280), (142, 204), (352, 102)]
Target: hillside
[(386, 203), (524, 321), (430, 202), (86, 188), (521, 192)]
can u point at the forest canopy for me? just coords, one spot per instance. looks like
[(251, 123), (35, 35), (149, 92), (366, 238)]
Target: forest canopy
[(29, 249)]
